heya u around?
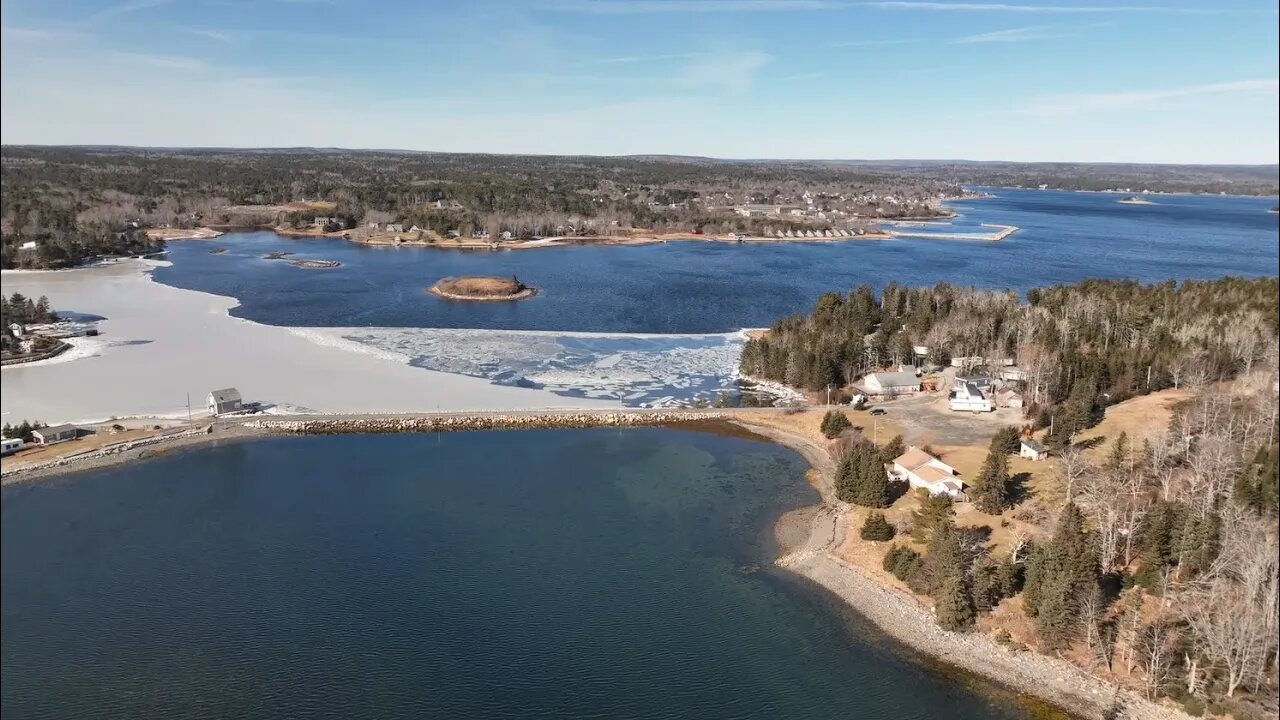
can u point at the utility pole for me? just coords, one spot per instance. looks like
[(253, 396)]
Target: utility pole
[(828, 394), (189, 421)]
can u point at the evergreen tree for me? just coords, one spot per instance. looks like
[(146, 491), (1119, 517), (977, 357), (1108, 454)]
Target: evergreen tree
[(1080, 411), (1006, 440), (987, 587), (953, 605), (893, 449), (992, 491), (861, 478), (876, 528), (1256, 485), (1009, 575), (934, 511), (1060, 578), (1157, 542), (1119, 454), (902, 561), (834, 423), (1198, 544)]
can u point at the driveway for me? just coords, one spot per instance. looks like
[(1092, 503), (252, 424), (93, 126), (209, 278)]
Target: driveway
[(927, 419)]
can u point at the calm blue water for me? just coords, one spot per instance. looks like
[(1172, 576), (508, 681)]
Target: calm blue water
[(538, 574), (698, 287)]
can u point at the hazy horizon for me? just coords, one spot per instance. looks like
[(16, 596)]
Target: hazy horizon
[(638, 155), (1178, 82)]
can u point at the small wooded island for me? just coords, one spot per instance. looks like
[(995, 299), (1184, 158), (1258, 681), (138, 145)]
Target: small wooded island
[(482, 288)]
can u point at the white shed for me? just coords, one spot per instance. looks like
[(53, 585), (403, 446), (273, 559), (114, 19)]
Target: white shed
[(1032, 450)]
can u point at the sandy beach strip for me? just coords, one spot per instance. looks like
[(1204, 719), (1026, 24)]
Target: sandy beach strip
[(159, 344)]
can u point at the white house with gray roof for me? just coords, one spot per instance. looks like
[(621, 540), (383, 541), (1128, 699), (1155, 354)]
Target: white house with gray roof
[(891, 383)]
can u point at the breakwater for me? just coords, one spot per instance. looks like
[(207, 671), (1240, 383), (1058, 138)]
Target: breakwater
[(494, 421), (104, 455), (1002, 232)]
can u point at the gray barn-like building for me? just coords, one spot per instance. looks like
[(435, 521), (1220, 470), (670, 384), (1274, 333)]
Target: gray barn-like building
[(226, 400), (55, 434)]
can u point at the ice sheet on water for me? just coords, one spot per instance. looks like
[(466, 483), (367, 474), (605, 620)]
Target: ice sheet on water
[(641, 370)]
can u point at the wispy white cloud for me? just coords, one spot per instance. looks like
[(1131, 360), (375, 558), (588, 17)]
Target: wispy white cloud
[(636, 7), (870, 43), (727, 71), (1080, 103), (218, 35), (627, 59), (168, 62), (1045, 9), (126, 8), (1012, 35)]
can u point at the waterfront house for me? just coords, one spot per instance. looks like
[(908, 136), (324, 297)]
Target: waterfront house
[(891, 383), (1032, 450), (394, 227), (968, 397), (55, 434), (919, 469), (983, 382), (226, 400)]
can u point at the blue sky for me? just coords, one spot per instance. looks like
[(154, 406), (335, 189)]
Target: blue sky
[(1067, 80)]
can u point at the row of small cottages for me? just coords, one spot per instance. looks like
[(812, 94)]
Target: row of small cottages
[(919, 469), (969, 394)]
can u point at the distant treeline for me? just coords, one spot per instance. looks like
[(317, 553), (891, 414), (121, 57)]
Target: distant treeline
[(1106, 339), (75, 201), (1261, 180)]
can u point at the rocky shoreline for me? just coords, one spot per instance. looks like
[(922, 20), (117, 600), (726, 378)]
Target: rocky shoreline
[(900, 615)]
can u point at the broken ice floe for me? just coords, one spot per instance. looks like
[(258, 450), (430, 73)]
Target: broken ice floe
[(637, 370)]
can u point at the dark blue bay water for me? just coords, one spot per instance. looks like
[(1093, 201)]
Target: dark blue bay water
[(700, 287), (538, 574)]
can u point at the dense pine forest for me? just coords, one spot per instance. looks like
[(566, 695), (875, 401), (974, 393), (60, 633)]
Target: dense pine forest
[(1082, 346)]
